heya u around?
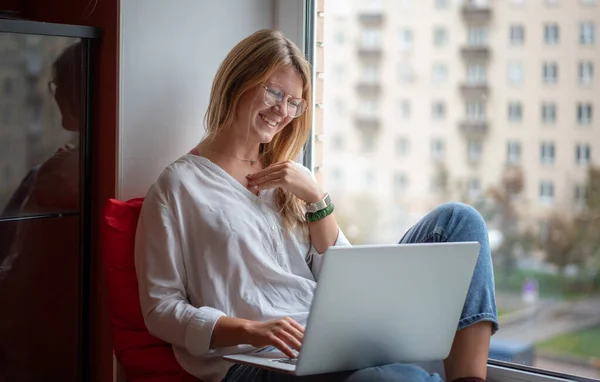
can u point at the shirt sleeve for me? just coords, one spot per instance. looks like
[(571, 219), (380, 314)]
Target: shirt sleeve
[(161, 279), (315, 259)]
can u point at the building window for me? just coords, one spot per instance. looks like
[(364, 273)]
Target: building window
[(547, 153), (586, 72), (405, 73), (476, 73), (440, 37), (474, 188), (406, 4), (550, 72), (404, 109), (474, 151), (338, 142), (579, 195), (515, 111), (337, 177), (475, 111), (584, 113), (405, 39), (369, 178), (477, 36), (515, 73), (441, 4), (369, 108), (340, 107), (548, 113), (339, 73), (551, 33), (340, 37), (583, 154), (370, 73), (440, 73), (437, 149), (587, 33), (517, 34), (546, 192), (368, 142), (400, 183), (371, 39), (402, 147), (478, 3), (438, 110), (513, 152)]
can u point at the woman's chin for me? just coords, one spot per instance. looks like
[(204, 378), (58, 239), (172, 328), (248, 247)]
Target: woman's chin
[(266, 136)]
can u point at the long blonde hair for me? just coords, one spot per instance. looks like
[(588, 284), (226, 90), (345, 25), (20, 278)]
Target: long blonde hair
[(250, 63)]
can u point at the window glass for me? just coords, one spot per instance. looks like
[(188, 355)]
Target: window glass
[(501, 118)]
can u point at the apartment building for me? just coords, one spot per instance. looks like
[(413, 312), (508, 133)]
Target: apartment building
[(432, 100)]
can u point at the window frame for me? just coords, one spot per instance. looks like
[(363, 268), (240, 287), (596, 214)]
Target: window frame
[(555, 27), (585, 66), (516, 34), (305, 13)]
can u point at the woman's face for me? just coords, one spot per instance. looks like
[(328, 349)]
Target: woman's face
[(260, 121), (65, 99)]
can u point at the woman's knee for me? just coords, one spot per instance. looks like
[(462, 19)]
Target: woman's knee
[(462, 212)]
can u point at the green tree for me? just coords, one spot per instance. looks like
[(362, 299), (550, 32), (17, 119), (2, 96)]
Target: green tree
[(505, 216), (574, 238)]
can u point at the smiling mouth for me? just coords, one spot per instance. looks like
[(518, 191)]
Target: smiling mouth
[(269, 121)]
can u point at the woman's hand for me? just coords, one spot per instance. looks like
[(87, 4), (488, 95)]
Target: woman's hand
[(285, 334), (289, 176)]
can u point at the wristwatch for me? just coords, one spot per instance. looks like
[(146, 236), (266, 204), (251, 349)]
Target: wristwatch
[(318, 206)]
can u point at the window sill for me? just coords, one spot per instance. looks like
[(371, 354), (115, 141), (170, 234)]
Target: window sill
[(499, 371)]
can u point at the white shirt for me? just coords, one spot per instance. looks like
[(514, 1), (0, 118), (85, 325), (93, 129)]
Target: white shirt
[(206, 247)]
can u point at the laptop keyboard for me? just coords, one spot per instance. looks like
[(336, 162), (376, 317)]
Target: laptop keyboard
[(289, 361)]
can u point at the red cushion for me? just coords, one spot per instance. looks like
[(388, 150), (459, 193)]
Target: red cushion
[(144, 358)]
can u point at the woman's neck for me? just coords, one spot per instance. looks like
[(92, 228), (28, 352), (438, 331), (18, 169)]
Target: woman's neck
[(232, 146)]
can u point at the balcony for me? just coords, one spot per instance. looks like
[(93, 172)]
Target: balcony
[(475, 52), (476, 14), (372, 18), (475, 91), (368, 88), (474, 127), (367, 122), (373, 53)]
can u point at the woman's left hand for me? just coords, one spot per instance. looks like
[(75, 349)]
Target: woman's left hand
[(289, 176)]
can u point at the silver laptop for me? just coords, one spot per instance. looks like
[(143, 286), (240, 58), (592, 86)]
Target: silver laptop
[(376, 305)]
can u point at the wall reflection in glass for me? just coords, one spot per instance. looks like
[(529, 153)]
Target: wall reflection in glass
[(41, 97)]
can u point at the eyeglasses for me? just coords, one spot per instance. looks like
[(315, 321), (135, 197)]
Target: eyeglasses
[(52, 87), (275, 96)]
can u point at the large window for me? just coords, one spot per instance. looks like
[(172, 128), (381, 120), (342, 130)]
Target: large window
[(487, 103)]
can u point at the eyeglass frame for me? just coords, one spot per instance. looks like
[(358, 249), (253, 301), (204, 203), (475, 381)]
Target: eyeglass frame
[(286, 97), (52, 87)]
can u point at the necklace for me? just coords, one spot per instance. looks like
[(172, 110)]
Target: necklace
[(251, 161)]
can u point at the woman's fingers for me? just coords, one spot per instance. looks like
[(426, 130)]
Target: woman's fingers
[(296, 325), (271, 184), (289, 339), (263, 172), (266, 178), (282, 346)]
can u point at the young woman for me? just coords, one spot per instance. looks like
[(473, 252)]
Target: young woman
[(231, 236)]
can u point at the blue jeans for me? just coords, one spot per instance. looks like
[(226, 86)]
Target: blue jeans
[(451, 222)]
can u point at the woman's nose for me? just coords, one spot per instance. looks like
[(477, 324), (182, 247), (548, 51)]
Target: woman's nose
[(281, 110)]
